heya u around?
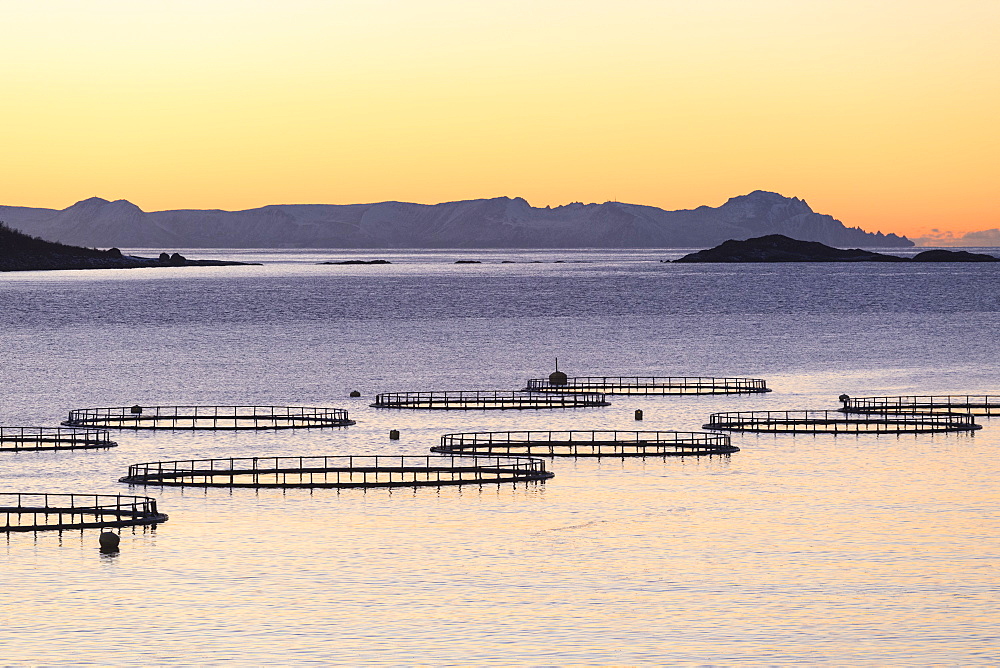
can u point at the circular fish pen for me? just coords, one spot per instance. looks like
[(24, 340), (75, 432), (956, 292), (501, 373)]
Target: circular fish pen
[(338, 471), (952, 403), (218, 418), (17, 439), (486, 400), (60, 512), (836, 422), (650, 385), (587, 443)]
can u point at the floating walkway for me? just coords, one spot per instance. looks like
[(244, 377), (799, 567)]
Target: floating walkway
[(227, 418), (587, 443), (338, 471), (486, 400), (952, 403), (836, 422), (17, 439), (58, 512), (649, 385)]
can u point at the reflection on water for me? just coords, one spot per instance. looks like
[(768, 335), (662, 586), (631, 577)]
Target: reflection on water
[(799, 548), (108, 553)]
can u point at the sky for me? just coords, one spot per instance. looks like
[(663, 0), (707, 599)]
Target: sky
[(884, 114)]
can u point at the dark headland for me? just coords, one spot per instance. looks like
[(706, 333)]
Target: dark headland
[(779, 248), (20, 252)]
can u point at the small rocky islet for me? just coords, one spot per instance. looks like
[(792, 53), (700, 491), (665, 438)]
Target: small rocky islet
[(779, 248), (21, 252), (357, 262)]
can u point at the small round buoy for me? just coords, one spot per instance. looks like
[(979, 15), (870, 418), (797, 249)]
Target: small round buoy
[(638, 413), (394, 435), (109, 540), (557, 377), (355, 393)]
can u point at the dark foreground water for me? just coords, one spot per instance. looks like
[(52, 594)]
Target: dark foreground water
[(798, 549)]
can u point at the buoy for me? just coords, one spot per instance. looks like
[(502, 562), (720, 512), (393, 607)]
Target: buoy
[(394, 435), (638, 413), (557, 377), (355, 393), (109, 540)]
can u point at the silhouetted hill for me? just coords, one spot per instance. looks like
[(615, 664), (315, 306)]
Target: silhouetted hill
[(21, 252), (779, 248), (501, 222), (953, 256)]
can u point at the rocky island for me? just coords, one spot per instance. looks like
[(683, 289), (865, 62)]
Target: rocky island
[(357, 262), (941, 255), (779, 248), (20, 252)]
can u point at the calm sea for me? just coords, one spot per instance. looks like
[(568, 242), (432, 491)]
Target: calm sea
[(827, 549)]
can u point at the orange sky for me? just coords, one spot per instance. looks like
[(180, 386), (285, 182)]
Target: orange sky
[(882, 114)]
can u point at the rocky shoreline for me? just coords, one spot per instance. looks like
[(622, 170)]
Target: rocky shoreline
[(20, 252)]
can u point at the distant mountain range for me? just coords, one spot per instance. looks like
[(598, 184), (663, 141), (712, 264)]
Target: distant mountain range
[(500, 222)]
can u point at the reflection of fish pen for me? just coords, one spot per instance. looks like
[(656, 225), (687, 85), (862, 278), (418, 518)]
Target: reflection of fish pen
[(835, 422), (44, 438), (973, 405), (486, 400), (338, 471), (587, 443), (208, 417), (650, 385), (45, 512)]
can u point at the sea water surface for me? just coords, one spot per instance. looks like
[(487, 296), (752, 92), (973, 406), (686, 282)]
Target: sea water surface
[(797, 549)]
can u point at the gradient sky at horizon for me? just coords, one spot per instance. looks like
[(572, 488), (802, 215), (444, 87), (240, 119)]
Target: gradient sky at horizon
[(880, 113)]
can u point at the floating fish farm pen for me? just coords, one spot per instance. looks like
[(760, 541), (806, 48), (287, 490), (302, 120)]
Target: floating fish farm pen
[(953, 403), (649, 385), (60, 512), (338, 471), (836, 422), (587, 443), (17, 439), (486, 400), (208, 417)]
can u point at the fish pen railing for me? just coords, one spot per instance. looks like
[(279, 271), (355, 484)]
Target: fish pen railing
[(486, 400), (949, 403), (55, 438), (836, 422), (209, 417), (48, 512), (651, 385), (587, 443), (338, 471)]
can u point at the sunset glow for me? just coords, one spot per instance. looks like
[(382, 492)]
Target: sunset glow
[(880, 113)]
